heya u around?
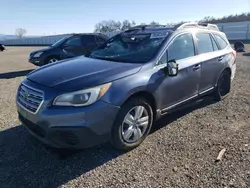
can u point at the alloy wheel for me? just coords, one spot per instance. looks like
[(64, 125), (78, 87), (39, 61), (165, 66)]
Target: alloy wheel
[(53, 60), (135, 124)]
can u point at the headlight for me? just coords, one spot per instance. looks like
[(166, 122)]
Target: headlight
[(82, 97), (38, 54)]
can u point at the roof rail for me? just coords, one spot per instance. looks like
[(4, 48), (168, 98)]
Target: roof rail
[(145, 26), (198, 25)]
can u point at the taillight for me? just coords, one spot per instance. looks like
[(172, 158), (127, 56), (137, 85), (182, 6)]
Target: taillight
[(234, 53)]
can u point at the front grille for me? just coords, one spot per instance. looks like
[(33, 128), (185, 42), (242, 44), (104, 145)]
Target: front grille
[(67, 137), (32, 127), (30, 98)]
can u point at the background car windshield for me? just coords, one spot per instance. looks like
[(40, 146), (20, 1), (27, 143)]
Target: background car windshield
[(60, 41), (133, 48)]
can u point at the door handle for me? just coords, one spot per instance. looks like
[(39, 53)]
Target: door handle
[(220, 58), (196, 67)]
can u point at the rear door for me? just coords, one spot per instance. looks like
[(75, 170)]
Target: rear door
[(88, 43), (211, 65)]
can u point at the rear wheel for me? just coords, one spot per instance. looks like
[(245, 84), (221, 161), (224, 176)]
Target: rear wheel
[(223, 86), (132, 124)]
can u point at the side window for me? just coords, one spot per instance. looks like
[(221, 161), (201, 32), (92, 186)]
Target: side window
[(74, 41), (181, 48), (214, 44), (99, 39), (204, 43), (88, 39), (222, 43)]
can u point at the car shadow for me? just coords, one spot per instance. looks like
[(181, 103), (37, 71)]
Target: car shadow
[(25, 162), (246, 54), (9, 75), (184, 110)]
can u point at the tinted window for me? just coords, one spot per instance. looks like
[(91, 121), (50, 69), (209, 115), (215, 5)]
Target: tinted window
[(88, 39), (214, 44), (99, 39), (75, 41), (182, 47), (204, 43), (59, 42), (222, 43)]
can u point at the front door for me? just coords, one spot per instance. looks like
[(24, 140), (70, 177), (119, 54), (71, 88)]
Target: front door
[(178, 89), (89, 43), (72, 47)]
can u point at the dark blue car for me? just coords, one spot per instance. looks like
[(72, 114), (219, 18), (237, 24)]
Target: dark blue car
[(68, 47), (117, 91)]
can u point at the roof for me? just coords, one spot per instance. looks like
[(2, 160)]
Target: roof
[(95, 34), (152, 28), (147, 29)]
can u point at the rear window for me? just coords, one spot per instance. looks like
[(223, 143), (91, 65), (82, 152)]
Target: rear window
[(204, 43), (222, 43)]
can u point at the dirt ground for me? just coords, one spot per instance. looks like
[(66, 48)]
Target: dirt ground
[(180, 151)]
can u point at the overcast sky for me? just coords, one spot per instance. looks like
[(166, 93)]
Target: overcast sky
[(46, 17)]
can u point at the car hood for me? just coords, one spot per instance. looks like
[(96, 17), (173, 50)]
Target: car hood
[(81, 72), (41, 50)]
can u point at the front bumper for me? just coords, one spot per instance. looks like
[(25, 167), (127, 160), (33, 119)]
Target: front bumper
[(37, 61), (70, 127)]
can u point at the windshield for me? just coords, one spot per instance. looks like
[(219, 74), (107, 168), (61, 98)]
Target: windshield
[(133, 48), (59, 41)]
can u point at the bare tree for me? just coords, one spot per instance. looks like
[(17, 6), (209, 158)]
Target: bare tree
[(111, 25), (20, 32), (153, 23), (126, 24)]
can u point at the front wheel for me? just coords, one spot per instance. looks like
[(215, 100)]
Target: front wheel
[(223, 86), (52, 60), (132, 125)]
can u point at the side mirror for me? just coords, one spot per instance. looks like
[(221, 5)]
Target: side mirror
[(172, 68)]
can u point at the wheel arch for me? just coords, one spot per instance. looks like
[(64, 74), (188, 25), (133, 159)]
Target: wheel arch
[(52, 56), (147, 96), (228, 69)]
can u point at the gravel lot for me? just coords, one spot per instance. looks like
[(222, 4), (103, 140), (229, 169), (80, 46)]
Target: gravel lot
[(180, 151)]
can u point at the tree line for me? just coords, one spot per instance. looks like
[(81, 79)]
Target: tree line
[(111, 25)]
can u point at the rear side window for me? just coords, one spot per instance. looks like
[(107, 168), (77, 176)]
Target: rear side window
[(204, 43), (214, 44), (181, 48), (88, 39), (100, 39), (222, 43)]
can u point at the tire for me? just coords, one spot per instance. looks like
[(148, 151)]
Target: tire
[(52, 59), (223, 86), (120, 138)]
